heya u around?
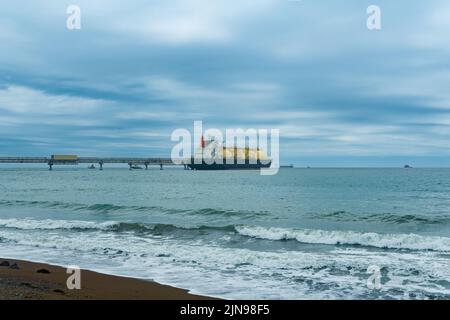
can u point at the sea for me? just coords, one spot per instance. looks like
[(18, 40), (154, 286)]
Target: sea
[(301, 234)]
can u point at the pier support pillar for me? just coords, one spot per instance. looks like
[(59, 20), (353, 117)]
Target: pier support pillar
[(146, 166), (160, 166), (101, 165), (50, 166), (130, 165)]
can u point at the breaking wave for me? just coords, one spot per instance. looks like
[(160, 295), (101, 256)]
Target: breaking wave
[(50, 224), (307, 236), (370, 239), (113, 226)]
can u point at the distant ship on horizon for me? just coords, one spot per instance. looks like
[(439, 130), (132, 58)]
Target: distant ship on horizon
[(212, 155)]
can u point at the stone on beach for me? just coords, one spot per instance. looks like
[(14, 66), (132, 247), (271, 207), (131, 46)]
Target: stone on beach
[(43, 271)]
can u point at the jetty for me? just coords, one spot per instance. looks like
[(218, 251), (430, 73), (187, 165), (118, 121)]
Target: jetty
[(75, 160)]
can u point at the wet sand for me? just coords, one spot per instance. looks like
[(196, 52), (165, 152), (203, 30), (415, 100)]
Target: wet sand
[(37, 281)]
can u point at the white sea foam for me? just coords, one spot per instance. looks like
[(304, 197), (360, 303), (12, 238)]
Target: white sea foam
[(243, 273), (311, 236), (50, 224), (379, 240)]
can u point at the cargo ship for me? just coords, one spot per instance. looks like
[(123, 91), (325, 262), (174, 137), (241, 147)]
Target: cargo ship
[(212, 155)]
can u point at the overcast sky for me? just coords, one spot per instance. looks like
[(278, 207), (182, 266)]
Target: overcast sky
[(339, 93)]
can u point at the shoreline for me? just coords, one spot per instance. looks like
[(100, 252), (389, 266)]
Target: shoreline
[(27, 280)]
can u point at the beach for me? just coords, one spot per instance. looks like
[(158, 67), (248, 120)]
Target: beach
[(38, 281)]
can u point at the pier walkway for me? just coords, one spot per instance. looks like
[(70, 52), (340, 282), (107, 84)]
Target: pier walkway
[(75, 160)]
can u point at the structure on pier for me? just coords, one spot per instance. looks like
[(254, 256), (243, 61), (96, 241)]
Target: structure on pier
[(75, 160)]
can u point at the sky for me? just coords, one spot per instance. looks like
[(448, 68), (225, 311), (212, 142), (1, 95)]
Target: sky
[(340, 94)]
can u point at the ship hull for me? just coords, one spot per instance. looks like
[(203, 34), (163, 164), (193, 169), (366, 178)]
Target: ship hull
[(228, 166)]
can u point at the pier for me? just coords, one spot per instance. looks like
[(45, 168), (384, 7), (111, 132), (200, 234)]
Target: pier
[(75, 160)]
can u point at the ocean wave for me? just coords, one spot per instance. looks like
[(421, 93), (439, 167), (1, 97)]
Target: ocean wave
[(50, 224), (113, 226), (370, 239), (110, 208), (161, 228), (380, 217), (309, 236), (96, 207)]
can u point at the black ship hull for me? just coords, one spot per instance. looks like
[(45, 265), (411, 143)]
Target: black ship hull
[(228, 166)]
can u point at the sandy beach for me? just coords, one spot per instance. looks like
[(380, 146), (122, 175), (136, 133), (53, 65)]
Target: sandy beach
[(37, 281)]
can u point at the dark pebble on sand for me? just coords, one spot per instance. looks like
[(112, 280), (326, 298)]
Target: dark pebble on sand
[(26, 284), (58, 291), (14, 266), (4, 264), (43, 271)]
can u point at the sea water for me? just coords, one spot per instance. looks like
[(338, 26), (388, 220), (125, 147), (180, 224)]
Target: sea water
[(300, 234)]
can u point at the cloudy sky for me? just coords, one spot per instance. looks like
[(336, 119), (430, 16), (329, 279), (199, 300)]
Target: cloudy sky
[(340, 94)]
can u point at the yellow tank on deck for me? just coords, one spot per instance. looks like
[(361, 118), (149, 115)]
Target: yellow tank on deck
[(62, 157), (243, 153)]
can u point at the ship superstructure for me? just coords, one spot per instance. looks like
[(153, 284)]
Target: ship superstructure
[(212, 155)]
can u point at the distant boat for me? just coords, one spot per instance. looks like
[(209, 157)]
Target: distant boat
[(407, 166), (91, 166)]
